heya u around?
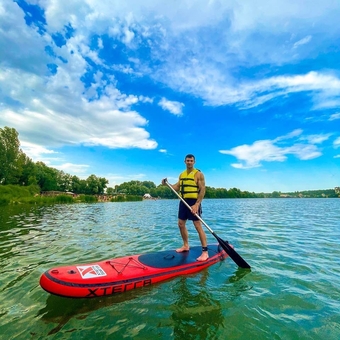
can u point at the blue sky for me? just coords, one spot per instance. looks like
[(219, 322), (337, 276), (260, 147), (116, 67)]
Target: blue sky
[(125, 89)]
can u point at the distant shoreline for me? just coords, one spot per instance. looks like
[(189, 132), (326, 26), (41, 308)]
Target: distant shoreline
[(15, 194)]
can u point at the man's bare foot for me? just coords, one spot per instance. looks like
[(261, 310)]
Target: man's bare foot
[(203, 257), (182, 249)]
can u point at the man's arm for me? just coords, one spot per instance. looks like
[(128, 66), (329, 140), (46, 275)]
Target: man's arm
[(201, 187), (174, 186)]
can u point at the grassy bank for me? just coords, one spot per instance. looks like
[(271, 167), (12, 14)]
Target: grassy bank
[(15, 194)]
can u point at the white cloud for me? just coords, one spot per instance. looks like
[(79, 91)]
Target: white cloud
[(249, 35), (171, 106), (334, 116), (316, 139), (20, 37), (303, 41), (43, 117), (303, 151), (336, 143), (251, 156), (54, 159), (210, 77), (73, 168), (216, 89), (56, 110), (294, 133), (37, 152), (144, 99), (128, 36)]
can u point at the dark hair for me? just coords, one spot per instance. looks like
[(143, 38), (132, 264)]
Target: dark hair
[(190, 156)]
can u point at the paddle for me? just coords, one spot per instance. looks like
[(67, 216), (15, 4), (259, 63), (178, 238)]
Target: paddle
[(224, 244)]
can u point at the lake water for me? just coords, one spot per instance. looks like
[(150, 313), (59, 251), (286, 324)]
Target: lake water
[(292, 291)]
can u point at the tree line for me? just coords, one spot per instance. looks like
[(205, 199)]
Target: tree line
[(143, 187), (140, 188), (17, 168)]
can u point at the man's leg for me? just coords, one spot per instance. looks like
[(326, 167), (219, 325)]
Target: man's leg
[(185, 236), (203, 238)]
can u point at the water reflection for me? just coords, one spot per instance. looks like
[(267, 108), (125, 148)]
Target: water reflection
[(238, 275), (196, 313), (60, 310)]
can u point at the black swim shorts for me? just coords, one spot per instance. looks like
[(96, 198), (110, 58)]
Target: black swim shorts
[(184, 213)]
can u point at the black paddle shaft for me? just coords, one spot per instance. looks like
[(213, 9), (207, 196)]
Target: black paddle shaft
[(224, 244)]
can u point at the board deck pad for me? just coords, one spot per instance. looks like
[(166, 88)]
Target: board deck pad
[(170, 258)]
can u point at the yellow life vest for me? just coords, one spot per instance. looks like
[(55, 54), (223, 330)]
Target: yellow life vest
[(187, 184)]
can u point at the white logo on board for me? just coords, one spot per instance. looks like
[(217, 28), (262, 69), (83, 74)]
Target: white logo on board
[(89, 272)]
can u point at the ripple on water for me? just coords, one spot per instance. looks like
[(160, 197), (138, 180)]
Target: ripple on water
[(292, 291)]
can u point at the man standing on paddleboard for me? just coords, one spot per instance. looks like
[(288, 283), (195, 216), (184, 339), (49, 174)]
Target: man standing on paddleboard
[(191, 186)]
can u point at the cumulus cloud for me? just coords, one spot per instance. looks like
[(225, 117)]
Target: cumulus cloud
[(253, 155), (38, 152), (60, 109), (56, 110), (277, 150), (171, 106)]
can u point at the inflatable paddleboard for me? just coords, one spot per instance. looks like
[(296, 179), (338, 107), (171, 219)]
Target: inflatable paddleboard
[(122, 274)]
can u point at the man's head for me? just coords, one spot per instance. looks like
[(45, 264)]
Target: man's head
[(189, 160), (189, 156)]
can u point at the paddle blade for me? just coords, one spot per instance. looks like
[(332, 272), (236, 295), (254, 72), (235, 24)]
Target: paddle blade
[(232, 253)]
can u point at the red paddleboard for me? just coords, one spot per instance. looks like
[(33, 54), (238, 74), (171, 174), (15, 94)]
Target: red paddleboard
[(119, 275)]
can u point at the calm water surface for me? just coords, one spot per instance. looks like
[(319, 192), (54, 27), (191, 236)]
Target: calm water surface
[(292, 291)]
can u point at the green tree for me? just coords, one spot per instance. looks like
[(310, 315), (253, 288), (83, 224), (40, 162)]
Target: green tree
[(64, 181), (92, 185), (95, 185), (164, 192), (28, 170), (10, 169), (221, 193), (210, 192), (103, 182), (234, 193), (47, 177), (110, 191), (149, 184), (75, 185), (276, 194), (82, 186)]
